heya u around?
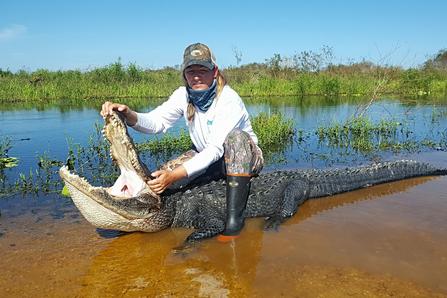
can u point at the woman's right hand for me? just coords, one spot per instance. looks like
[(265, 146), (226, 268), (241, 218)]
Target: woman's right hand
[(129, 114)]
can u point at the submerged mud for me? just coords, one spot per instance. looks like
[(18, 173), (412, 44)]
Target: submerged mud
[(387, 240)]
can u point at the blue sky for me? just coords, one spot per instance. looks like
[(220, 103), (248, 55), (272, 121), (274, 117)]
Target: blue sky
[(86, 34)]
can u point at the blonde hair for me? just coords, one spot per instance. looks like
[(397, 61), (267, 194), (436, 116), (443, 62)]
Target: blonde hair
[(221, 82)]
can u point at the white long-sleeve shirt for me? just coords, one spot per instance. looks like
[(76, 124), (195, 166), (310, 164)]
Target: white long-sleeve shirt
[(208, 130)]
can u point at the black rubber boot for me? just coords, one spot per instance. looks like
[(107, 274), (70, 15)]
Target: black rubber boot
[(238, 188)]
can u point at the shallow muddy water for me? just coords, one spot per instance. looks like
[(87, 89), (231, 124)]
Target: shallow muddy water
[(383, 241), (387, 240)]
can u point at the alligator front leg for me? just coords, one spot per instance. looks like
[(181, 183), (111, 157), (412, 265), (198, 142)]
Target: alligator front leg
[(295, 193), (206, 227)]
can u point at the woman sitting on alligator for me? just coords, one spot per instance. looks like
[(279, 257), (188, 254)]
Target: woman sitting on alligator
[(224, 143)]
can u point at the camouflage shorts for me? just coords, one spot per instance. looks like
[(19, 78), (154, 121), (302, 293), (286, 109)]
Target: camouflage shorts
[(241, 157)]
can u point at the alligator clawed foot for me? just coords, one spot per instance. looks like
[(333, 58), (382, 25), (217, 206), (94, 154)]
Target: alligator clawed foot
[(184, 250), (106, 233), (272, 223)]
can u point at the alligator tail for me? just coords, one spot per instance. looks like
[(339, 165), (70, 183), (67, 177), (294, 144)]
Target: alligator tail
[(342, 180)]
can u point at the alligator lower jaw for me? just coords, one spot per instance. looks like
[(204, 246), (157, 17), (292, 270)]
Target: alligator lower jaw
[(103, 209)]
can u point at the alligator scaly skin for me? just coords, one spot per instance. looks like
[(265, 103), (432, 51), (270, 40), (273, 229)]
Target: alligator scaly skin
[(275, 195)]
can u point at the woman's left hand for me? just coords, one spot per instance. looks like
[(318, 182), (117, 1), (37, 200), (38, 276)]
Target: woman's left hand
[(164, 178), (162, 181)]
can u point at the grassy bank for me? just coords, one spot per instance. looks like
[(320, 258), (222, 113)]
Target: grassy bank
[(112, 81), (336, 82), (118, 81)]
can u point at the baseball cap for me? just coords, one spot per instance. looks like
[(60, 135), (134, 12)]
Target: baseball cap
[(198, 53)]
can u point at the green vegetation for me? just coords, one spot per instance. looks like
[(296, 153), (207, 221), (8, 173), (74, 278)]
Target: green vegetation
[(93, 162), (273, 131), (275, 135), (303, 74), (167, 144), (360, 133), (166, 147), (363, 135), (112, 81), (5, 160)]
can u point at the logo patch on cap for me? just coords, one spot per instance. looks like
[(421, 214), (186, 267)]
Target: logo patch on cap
[(196, 53)]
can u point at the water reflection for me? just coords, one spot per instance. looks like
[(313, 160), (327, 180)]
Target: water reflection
[(143, 264), (388, 240), (315, 206), (256, 264)]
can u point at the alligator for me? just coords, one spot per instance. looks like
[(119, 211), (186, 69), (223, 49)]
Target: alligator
[(130, 205)]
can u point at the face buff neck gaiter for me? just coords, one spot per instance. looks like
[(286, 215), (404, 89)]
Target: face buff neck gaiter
[(202, 99)]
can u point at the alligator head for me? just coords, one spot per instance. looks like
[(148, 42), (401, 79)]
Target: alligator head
[(128, 205)]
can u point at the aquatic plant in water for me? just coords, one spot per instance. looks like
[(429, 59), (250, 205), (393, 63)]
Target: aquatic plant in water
[(272, 130), (93, 160), (362, 135), (276, 134), (168, 144), (5, 160)]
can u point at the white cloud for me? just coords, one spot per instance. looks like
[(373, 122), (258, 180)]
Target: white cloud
[(11, 32)]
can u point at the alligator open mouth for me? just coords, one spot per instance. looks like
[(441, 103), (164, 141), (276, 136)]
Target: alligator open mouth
[(130, 200)]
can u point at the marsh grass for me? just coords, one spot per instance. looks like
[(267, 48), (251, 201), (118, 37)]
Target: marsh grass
[(167, 144), (278, 76), (273, 131), (93, 161), (113, 81), (276, 135), (41, 179), (363, 135), (5, 160)]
